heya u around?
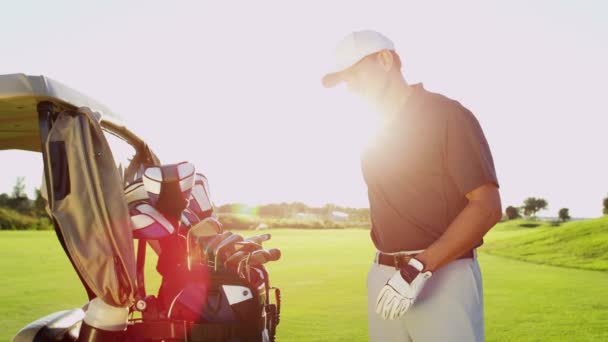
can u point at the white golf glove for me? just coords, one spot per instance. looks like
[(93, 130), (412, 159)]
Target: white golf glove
[(400, 292)]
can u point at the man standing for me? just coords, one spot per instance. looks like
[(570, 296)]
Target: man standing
[(433, 195)]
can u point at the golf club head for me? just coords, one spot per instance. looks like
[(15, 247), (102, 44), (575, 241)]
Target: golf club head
[(258, 238), (225, 248), (210, 247), (263, 256), (242, 249), (236, 258), (275, 254), (207, 227), (259, 257), (199, 235), (247, 246)]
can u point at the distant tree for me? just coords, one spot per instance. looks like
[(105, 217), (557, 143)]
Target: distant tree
[(284, 209), (276, 210), (224, 208), (18, 200), (298, 207), (39, 204), (564, 215), (512, 213), (605, 206), (4, 200), (532, 205), (328, 209), (20, 204), (360, 214), (19, 188), (265, 210)]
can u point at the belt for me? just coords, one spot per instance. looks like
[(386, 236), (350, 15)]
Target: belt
[(400, 260)]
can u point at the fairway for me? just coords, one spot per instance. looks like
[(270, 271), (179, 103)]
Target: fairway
[(322, 277)]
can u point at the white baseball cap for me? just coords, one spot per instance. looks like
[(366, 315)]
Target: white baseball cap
[(353, 48)]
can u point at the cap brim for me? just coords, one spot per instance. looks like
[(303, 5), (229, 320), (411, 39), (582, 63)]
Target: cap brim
[(332, 79)]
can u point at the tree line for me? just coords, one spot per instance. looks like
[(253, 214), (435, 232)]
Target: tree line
[(292, 209), (19, 212), (532, 205), (28, 212)]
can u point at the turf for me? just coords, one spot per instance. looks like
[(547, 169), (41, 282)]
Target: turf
[(580, 244), (322, 277)]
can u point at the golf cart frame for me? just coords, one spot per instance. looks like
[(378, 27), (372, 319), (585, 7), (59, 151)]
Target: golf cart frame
[(85, 200), (77, 153)]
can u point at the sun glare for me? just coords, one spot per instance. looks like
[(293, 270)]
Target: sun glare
[(358, 119)]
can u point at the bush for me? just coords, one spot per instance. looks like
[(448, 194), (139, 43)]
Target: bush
[(12, 220), (238, 222), (316, 223), (248, 222), (43, 223), (512, 213), (554, 223), (564, 214)]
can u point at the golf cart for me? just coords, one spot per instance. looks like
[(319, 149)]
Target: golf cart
[(214, 283)]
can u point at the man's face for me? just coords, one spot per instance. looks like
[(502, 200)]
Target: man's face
[(366, 79)]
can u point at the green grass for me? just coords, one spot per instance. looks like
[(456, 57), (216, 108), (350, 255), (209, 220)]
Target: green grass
[(37, 279), (581, 244), (322, 276)]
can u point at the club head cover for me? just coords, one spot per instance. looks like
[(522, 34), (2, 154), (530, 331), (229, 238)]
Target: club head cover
[(147, 222), (169, 188), (200, 202)]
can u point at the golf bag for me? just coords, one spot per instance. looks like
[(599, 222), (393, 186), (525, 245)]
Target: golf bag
[(214, 283)]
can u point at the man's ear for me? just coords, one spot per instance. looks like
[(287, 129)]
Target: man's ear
[(385, 58)]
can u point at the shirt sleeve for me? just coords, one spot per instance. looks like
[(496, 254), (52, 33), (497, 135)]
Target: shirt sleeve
[(469, 160)]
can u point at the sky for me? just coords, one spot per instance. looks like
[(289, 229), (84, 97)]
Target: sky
[(234, 87)]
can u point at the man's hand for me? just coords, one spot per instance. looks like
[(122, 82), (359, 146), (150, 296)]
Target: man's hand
[(400, 292)]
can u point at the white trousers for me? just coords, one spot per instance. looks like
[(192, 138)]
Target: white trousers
[(449, 308)]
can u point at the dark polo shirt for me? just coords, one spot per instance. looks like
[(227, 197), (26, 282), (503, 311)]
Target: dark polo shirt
[(419, 169)]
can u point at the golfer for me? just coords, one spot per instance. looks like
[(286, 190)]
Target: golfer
[(433, 195)]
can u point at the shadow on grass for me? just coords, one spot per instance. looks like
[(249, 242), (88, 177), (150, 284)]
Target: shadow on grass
[(529, 225)]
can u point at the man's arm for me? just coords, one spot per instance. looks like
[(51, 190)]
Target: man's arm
[(468, 228), (482, 212)]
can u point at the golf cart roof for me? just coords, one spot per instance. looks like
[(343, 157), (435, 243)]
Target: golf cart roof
[(19, 98)]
